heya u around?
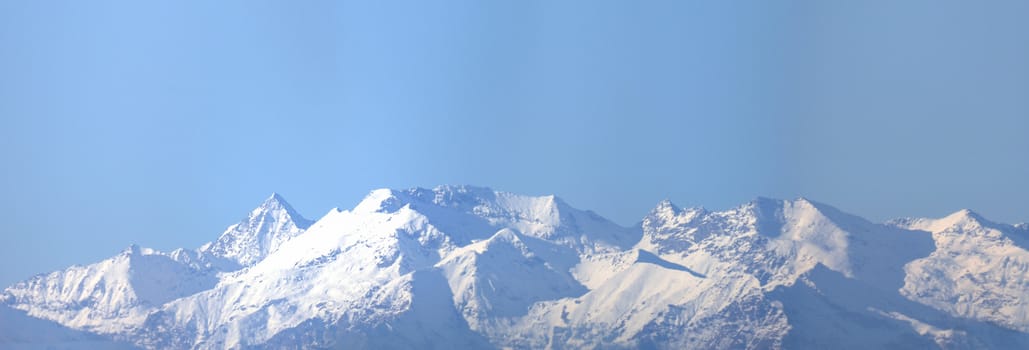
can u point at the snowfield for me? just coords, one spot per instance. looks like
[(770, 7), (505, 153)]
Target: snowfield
[(472, 268)]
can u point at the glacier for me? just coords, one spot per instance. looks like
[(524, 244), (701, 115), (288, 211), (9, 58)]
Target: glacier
[(473, 268)]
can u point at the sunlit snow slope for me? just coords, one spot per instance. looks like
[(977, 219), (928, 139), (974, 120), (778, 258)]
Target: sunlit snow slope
[(468, 267)]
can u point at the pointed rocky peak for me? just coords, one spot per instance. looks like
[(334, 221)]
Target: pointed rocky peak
[(276, 204), (665, 208), (276, 198), (668, 228), (456, 194), (667, 216), (263, 230), (665, 211)]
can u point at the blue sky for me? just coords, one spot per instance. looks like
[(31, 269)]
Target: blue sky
[(162, 122)]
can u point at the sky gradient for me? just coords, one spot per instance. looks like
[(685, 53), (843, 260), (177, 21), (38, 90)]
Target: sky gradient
[(161, 123)]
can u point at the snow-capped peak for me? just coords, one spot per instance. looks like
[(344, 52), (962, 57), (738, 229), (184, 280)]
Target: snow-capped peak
[(374, 201), (471, 213), (964, 217), (470, 267), (667, 214), (276, 202), (665, 208), (978, 270), (265, 229), (962, 220), (112, 295), (451, 196)]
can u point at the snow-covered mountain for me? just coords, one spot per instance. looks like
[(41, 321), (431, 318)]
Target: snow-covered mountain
[(20, 331), (260, 233), (469, 267)]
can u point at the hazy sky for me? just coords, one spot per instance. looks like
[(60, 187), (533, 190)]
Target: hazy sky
[(162, 122)]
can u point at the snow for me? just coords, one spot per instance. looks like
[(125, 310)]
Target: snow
[(23, 332), (503, 276), (979, 269), (470, 267), (260, 233), (112, 295)]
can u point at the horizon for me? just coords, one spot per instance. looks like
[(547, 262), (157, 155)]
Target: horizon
[(631, 224), (161, 123)]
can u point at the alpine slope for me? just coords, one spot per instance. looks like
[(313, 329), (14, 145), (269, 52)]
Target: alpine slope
[(462, 267)]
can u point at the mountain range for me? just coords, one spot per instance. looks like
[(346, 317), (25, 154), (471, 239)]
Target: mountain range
[(472, 268)]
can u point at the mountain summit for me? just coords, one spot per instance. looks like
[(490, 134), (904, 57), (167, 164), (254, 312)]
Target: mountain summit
[(265, 229), (473, 268)]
